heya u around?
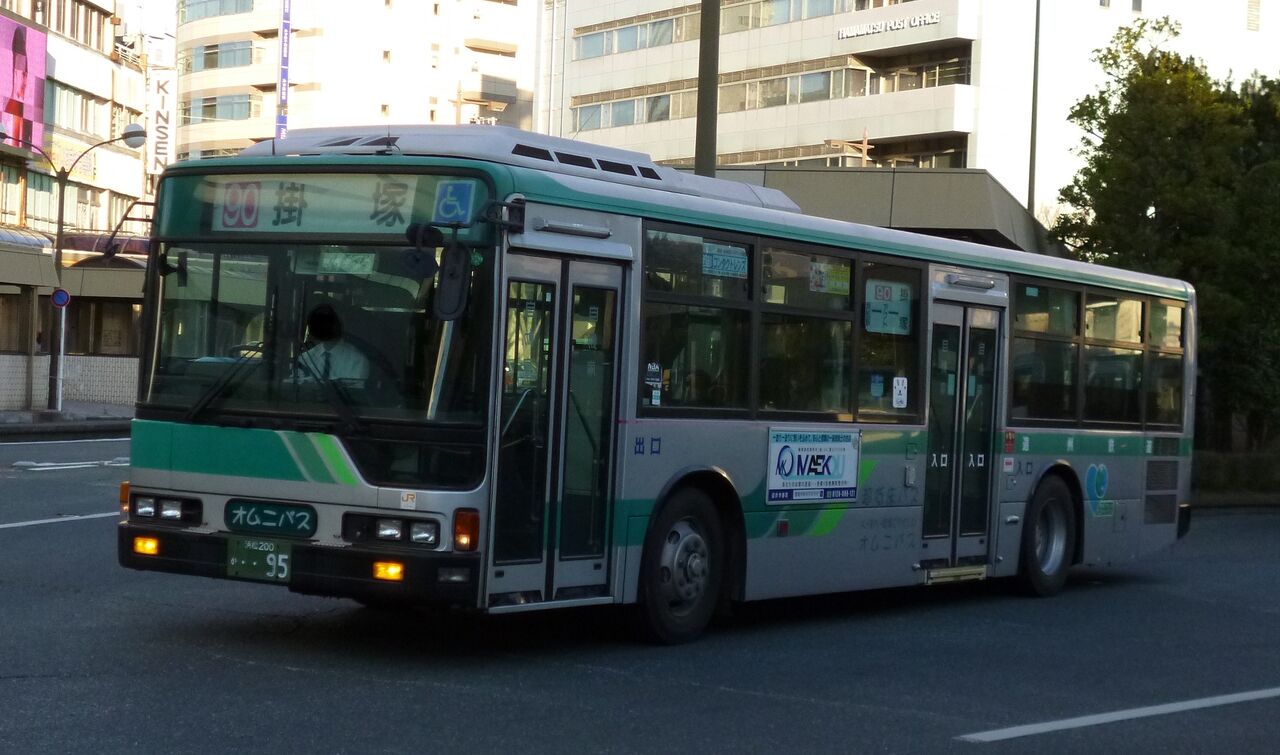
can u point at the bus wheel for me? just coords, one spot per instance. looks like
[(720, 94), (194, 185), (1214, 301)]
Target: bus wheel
[(1048, 539), (682, 568)]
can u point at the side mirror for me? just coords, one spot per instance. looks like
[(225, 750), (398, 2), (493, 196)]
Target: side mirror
[(453, 281)]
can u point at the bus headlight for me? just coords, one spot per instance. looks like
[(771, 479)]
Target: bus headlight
[(144, 506), (390, 529), (424, 533), (170, 509)]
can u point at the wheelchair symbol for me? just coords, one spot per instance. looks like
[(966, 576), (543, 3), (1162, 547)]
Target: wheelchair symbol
[(453, 202)]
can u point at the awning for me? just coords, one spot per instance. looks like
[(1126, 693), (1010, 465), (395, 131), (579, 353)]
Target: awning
[(26, 258)]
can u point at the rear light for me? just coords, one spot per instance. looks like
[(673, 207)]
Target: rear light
[(466, 529)]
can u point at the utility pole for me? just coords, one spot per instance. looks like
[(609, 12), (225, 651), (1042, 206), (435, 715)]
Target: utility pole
[(704, 150)]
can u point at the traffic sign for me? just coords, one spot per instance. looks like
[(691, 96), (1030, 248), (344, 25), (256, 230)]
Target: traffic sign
[(60, 297)]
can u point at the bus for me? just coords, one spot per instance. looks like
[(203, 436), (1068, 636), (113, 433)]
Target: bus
[(479, 368)]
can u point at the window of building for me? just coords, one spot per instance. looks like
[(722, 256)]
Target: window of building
[(10, 194), (12, 318), (194, 10), (42, 204), (224, 55), (75, 110), (230, 107), (105, 327)]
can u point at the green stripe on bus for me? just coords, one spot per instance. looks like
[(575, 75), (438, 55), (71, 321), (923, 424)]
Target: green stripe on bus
[(333, 457), (240, 452), (151, 444), (307, 457)]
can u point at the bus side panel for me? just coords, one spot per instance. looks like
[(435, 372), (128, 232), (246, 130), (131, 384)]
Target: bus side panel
[(792, 549)]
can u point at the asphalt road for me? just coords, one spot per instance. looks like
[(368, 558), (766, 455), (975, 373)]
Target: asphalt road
[(97, 658)]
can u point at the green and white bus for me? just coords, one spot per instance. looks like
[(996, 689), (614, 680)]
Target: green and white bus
[(487, 369)]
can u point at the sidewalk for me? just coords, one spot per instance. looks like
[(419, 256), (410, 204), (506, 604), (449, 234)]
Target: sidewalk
[(76, 418)]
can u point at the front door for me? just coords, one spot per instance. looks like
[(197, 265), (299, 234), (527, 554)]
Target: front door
[(962, 415), (554, 477)]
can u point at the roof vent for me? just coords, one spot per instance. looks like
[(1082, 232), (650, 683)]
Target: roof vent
[(612, 167), (538, 153), (381, 141), (648, 172), (569, 158)]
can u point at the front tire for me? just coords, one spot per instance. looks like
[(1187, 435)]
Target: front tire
[(682, 568), (1048, 539)]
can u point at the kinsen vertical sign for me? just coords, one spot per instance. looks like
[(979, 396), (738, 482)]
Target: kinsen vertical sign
[(162, 90), (282, 82)]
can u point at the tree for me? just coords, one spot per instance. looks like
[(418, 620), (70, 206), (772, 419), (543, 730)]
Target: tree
[(1180, 180)]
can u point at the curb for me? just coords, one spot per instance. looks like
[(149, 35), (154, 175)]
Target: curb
[(21, 430)]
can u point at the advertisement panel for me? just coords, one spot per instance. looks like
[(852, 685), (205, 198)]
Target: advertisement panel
[(22, 52), (812, 465)]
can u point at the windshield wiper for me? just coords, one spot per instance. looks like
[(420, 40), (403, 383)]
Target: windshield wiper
[(223, 382), (337, 398)]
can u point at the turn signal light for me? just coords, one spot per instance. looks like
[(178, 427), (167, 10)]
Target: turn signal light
[(147, 546), (389, 571), (124, 497), (466, 529)]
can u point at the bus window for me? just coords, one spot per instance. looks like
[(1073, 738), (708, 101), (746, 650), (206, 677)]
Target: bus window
[(1043, 379), (694, 356), (1113, 318), (1112, 383), (889, 344)]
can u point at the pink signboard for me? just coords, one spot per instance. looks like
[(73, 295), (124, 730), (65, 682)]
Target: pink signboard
[(22, 72)]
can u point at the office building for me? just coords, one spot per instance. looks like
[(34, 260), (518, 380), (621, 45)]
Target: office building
[(928, 84), (248, 69), (74, 81)]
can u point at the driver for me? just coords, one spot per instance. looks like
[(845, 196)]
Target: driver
[(332, 357)]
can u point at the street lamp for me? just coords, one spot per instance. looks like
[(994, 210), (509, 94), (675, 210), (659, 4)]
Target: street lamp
[(133, 136)]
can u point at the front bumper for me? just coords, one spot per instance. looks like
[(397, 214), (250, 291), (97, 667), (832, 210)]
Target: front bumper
[(341, 572)]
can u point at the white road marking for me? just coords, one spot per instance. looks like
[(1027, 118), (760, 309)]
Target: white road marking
[(53, 466), (54, 442), (55, 520), (1013, 732)]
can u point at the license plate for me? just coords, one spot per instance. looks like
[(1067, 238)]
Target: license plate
[(259, 559)]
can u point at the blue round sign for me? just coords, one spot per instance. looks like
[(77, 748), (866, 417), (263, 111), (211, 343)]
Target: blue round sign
[(60, 297)]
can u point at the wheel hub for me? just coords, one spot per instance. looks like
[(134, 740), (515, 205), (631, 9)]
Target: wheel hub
[(685, 559)]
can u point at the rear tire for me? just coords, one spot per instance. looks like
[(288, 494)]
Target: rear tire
[(682, 568), (1048, 539)]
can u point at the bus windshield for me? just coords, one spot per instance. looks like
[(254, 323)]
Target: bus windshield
[(338, 332)]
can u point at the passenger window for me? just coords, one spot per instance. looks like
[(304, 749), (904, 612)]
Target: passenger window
[(1052, 311), (694, 357), (1112, 384), (1164, 396), (889, 344), (1043, 380), (683, 264), (805, 364), (1166, 326), (1113, 318), (814, 281)]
